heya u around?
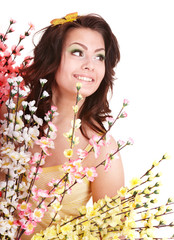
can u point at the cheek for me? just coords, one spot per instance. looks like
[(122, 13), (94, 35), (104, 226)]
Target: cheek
[(101, 73)]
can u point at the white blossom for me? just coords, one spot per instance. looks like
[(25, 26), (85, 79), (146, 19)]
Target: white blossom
[(18, 79), (45, 94), (13, 91), (10, 81), (38, 120), (24, 104), (23, 93), (10, 104), (27, 117), (31, 103), (43, 81), (33, 109)]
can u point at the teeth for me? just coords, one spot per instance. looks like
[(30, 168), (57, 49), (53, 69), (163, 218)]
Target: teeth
[(85, 79)]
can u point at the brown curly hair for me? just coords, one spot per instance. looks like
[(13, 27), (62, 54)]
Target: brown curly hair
[(47, 57)]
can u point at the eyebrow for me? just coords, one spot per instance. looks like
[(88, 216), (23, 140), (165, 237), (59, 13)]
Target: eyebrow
[(85, 47)]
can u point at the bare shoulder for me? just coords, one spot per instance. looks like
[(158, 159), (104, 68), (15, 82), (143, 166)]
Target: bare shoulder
[(110, 174)]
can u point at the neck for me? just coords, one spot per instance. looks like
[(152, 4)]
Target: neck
[(64, 104)]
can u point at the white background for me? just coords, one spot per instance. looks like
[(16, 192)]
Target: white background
[(145, 74)]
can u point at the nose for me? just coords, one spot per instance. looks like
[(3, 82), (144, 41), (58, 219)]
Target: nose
[(88, 65)]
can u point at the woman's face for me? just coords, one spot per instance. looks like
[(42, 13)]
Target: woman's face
[(82, 60)]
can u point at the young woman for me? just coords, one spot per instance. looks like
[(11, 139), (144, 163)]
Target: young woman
[(83, 50)]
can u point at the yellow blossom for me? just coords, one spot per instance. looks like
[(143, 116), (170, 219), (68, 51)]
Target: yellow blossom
[(82, 210), (37, 236), (131, 234), (146, 191), (135, 181), (154, 200), (91, 212), (138, 199), (68, 153), (77, 123), (158, 174), (150, 232), (149, 223), (150, 178), (75, 108), (75, 140), (80, 97), (122, 192), (10, 222), (66, 228), (59, 190), (145, 215), (50, 232), (68, 134), (58, 228), (56, 205), (93, 238), (85, 225), (155, 163), (166, 156), (161, 210), (78, 85)]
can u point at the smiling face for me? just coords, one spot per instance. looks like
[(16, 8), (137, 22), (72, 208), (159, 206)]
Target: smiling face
[(82, 60)]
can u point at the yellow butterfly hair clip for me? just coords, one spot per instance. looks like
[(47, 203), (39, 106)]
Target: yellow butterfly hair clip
[(68, 18)]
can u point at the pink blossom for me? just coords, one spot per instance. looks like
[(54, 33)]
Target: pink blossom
[(52, 126), (90, 173), (11, 30), (53, 182), (34, 193), (16, 50), (45, 143), (96, 143), (29, 227), (108, 139), (123, 115), (36, 158), (42, 193), (31, 26), (32, 173), (82, 153), (120, 143), (110, 120), (12, 21), (107, 163), (24, 207), (38, 214), (109, 157), (73, 166), (22, 37), (3, 47), (53, 109), (125, 102), (130, 141)]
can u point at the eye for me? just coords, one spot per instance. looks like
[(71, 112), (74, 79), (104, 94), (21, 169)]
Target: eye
[(77, 52), (100, 57)]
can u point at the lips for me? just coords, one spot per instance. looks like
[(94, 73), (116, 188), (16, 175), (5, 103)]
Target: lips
[(83, 78)]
